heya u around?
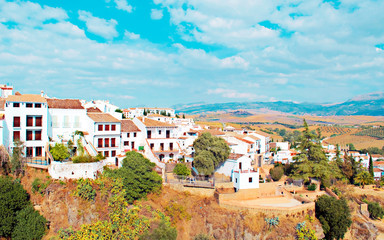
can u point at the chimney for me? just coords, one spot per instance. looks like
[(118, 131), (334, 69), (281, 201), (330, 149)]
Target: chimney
[(42, 93)]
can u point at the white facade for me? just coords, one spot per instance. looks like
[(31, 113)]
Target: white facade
[(105, 107), (264, 141), (69, 170), (139, 112), (244, 176)]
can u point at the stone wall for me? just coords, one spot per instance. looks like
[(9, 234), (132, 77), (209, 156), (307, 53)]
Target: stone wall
[(70, 170), (204, 192)]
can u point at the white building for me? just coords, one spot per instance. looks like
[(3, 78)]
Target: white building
[(244, 176), (65, 117), (26, 119), (132, 138), (104, 133), (161, 138), (139, 112), (104, 106), (264, 141)]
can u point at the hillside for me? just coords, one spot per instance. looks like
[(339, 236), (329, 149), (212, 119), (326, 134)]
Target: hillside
[(370, 105)]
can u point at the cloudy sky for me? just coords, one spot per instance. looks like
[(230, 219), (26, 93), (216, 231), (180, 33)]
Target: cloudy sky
[(165, 52)]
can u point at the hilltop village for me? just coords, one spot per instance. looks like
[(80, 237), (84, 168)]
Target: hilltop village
[(99, 135)]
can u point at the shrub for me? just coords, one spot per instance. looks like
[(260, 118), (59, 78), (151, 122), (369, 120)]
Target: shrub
[(164, 232), (181, 170), (277, 173), (30, 225), (84, 159), (272, 222), (202, 236), (59, 152), (305, 233), (375, 210), (334, 216), (85, 190), (176, 212), (312, 187)]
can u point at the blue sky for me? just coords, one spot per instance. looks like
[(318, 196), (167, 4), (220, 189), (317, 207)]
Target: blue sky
[(166, 52)]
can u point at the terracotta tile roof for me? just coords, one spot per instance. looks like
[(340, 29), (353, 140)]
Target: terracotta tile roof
[(253, 137), (93, 110), (153, 123), (64, 103), (128, 126), (156, 115), (235, 156), (36, 98), (2, 104), (244, 140), (102, 117), (262, 133), (378, 163), (377, 170), (377, 156)]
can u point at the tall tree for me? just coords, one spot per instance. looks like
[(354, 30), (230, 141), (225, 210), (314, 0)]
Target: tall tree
[(17, 164), (210, 152), (363, 178), (370, 165)]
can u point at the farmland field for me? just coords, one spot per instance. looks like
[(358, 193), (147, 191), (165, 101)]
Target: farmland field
[(360, 142), (372, 132)]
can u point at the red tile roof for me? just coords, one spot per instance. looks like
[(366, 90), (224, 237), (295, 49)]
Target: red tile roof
[(64, 103), (235, 156), (128, 126), (153, 123), (93, 110), (102, 117), (26, 98)]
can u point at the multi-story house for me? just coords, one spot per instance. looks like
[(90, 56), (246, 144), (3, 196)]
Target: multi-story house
[(139, 112), (27, 120), (131, 136), (104, 133), (160, 138), (66, 116)]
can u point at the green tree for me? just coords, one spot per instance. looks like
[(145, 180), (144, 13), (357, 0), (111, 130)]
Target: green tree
[(137, 175), (351, 147), (183, 116), (276, 173), (5, 167), (181, 170), (59, 152), (210, 152), (30, 225), (363, 178), (17, 165), (375, 210), (370, 166), (13, 198), (334, 216), (164, 232)]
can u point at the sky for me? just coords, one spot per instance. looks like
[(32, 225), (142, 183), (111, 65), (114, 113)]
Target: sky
[(165, 52)]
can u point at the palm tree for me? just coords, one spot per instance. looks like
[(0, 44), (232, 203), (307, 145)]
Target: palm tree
[(364, 178)]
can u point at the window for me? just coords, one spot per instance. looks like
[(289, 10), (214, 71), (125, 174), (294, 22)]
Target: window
[(113, 142), (16, 121), (100, 127), (250, 179), (126, 143), (134, 134), (106, 142), (127, 135), (236, 180), (29, 105), (100, 142), (106, 127), (159, 132), (16, 104), (29, 135), (113, 127), (37, 135), (66, 122), (38, 151), (29, 151), (76, 124), (171, 146), (37, 105), (113, 153), (39, 121), (152, 146), (106, 153), (55, 122), (16, 135), (29, 121)]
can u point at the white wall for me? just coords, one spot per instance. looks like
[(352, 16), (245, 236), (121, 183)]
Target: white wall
[(76, 119), (227, 167), (69, 170)]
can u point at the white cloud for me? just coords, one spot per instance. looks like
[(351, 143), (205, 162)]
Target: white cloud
[(131, 35), (156, 14), (99, 26), (123, 5)]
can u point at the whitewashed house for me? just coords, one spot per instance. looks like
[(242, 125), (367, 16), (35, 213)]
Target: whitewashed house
[(104, 106), (65, 116), (244, 175), (104, 134), (26, 119), (264, 141), (132, 137)]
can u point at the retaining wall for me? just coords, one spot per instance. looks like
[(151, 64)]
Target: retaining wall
[(71, 170)]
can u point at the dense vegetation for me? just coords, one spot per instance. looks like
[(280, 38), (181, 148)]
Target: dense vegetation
[(59, 152), (18, 219), (210, 152), (137, 175), (372, 132), (181, 170), (334, 216)]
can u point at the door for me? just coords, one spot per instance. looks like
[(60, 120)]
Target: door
[(133, 145), (149, 134), (168, 134)]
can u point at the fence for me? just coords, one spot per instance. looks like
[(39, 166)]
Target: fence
[(36, 161)]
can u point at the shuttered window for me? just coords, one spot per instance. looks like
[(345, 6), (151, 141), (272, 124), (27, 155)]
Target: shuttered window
[(16, 121)]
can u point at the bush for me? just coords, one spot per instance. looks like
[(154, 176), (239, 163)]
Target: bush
[(312, 187), (176, 212), (276, 173), (305, 233), (181, 170), (13, 198), (59, 152), (334, 216), (84, 159), (30, 225), (85, 190), (375, 210), (39, 186), (164, 232), (202, 236)]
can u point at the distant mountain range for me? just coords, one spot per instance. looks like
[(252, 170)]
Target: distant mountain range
[(369, 104)]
